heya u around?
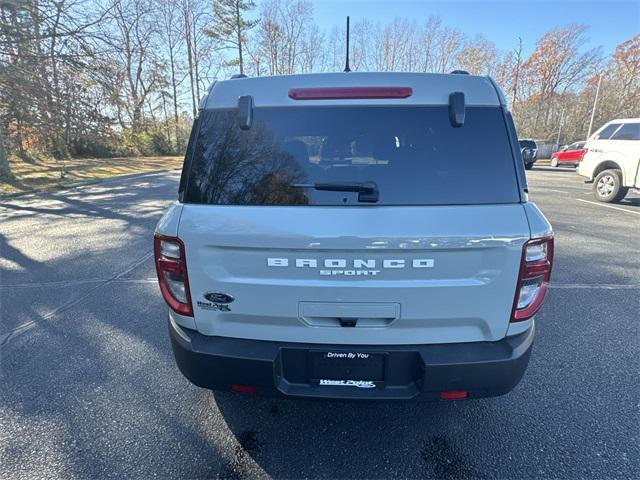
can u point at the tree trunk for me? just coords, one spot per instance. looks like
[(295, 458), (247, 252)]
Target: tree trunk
[(5, 168), (174, 95), (239, 32), (196, 60), (187, 37)]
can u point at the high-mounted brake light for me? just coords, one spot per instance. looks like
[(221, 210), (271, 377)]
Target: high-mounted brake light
[(171, 268), (533, 279), (338, 93)]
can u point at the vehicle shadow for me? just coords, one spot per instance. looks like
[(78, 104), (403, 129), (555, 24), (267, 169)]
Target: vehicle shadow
[(348, 439), (631, 202), (549, 168)]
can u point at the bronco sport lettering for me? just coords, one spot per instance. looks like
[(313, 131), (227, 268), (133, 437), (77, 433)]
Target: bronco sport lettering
[(360, 266)]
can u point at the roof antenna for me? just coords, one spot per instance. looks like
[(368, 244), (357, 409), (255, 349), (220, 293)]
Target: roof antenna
[(346, 67)]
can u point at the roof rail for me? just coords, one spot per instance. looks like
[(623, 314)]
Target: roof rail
[(238, 75), (459, 72)]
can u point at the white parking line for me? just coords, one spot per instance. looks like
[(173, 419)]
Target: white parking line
[(72, 303), (552, 190), (604, 286), (607, 206)]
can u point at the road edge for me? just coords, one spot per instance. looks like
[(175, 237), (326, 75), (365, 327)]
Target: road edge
[(72, 186)]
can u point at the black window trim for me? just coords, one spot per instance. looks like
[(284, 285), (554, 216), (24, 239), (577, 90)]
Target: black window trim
[(186, 166)]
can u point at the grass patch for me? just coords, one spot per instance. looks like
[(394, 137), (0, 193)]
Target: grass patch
[(51, 174)]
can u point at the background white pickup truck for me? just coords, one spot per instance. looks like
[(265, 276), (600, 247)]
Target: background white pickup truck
[(612, 161)]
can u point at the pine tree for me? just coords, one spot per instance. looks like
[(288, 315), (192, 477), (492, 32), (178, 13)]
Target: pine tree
[(230, 25)]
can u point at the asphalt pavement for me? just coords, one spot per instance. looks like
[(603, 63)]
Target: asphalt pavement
[(89, 388)]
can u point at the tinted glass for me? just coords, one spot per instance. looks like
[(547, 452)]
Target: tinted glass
[(607, 131), (187, 158), (527, 144), (413, 154), (628, 131)]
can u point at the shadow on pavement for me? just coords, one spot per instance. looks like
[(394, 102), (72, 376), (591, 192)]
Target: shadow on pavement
[(93, 391)]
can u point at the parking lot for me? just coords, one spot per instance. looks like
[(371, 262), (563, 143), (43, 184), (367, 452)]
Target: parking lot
[(89, 387)]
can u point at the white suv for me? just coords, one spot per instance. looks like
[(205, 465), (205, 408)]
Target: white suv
[(354, 235), (612, 161)]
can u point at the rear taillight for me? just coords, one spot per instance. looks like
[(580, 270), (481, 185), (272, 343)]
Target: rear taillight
[(171, 267), (534, 277)]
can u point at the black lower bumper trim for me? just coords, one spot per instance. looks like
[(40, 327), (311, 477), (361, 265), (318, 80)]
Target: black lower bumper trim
[(412, 372)]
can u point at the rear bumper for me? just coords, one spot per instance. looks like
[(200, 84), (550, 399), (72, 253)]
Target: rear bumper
[(412, 372)]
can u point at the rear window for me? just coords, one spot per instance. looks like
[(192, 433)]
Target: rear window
[(527, 144), (412, 154)]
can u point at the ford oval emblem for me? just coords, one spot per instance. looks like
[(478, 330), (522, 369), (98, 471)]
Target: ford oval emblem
[(218, 297)]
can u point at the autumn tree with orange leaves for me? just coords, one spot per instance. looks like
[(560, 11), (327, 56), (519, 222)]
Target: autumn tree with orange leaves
[(556, 68)]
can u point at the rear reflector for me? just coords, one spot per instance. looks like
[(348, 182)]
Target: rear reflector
[(338, 93), (455, 395), (248, 389)]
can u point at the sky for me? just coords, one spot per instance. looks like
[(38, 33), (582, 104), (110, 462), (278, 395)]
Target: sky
[(502, 22)]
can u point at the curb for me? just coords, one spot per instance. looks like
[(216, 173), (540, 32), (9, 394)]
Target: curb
[(71, 186)]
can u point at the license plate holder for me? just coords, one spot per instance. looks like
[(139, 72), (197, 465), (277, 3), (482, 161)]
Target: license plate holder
[(345, 365)]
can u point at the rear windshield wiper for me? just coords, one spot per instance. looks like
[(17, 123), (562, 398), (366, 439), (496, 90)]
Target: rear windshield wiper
[(367, 191)]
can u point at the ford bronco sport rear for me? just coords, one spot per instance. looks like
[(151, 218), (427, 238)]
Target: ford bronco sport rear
[(358, 235)]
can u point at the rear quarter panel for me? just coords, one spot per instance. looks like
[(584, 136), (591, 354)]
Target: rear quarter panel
[(168, 224)]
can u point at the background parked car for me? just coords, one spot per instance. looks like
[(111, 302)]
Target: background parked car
[(612, 160), (529, 151), (569, 155)]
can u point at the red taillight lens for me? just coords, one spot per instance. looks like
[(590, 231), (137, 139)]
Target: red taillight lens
[(171, 267), (248, 389), (454, 395), (338, 93), (534, 277)]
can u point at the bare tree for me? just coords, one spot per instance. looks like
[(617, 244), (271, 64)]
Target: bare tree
[(478, 57), (449, 45), (187, 23), (287, 37), (427, 62), (172, 39), (269, 39), (295, 17), (131, 36)]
